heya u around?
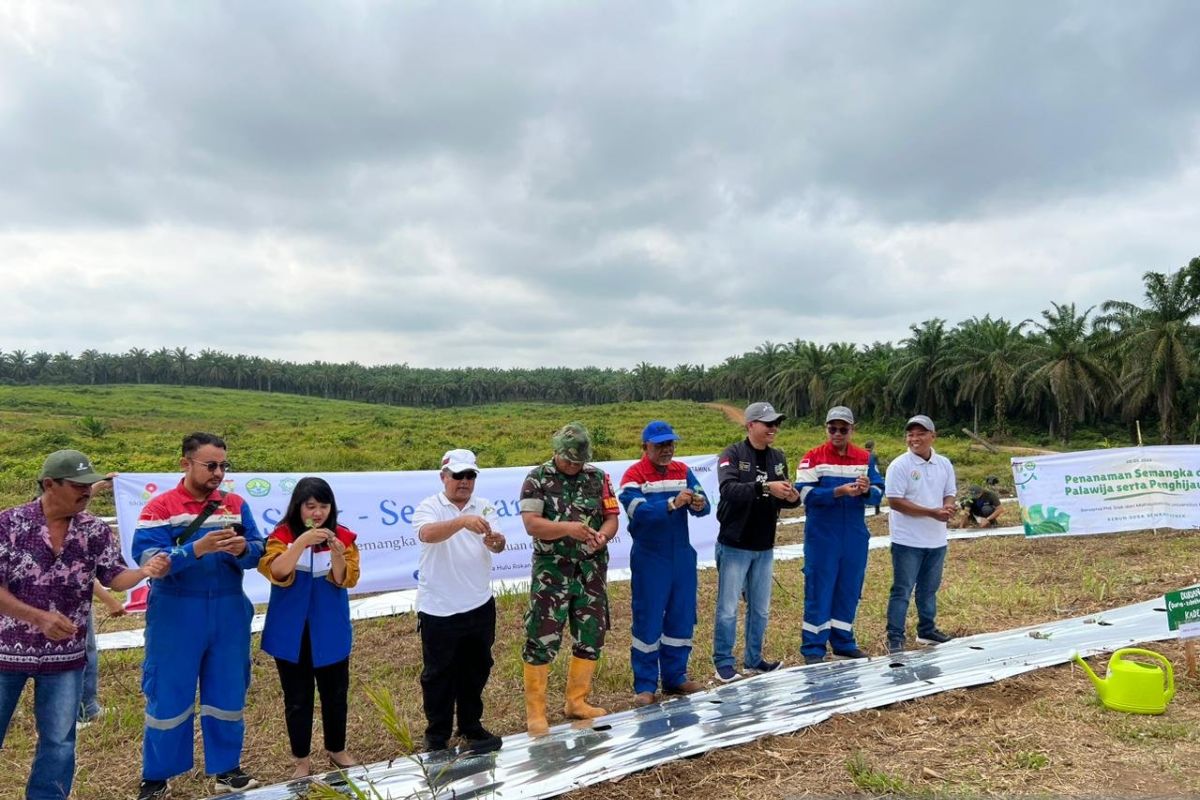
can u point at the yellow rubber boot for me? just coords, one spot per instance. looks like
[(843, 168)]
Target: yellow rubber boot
[(535, 698), (579, 684)]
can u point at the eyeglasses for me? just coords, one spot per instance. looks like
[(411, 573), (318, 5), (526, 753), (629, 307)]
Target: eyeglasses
[(774, 424), (837, 429), (465, 475), (212, 466)]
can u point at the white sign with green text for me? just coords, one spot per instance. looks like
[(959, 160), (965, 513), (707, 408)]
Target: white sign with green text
[(1104, 491)]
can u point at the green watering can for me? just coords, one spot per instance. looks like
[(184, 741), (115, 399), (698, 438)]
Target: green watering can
[(1133, 686)]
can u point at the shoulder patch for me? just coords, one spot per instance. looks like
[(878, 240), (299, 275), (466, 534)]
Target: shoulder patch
[(743, 465)]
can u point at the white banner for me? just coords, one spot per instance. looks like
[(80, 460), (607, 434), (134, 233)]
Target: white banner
[(378, 506), (1103, 491)]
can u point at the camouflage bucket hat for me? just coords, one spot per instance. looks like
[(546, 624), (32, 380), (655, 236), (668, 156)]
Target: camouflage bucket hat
[(573, 443)]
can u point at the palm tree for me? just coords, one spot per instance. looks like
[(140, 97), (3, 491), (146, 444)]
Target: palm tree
[(1065, 365), (918, 380), (985, 359), (864, 385), (138, 360), (803, 378), (18, 365), (1155, 343), (181, 361), (39, 366), (89, 361)]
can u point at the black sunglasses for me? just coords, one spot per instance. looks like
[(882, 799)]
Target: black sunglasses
[(774, 424), (211, 466), (465, 475), (837, 429)]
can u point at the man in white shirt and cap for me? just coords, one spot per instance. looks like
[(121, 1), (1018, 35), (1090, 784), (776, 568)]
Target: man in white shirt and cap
[(456, 612), (920, 488)]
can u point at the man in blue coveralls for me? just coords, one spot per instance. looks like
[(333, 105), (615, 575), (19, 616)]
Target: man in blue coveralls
[(837, 481), (197, 621), (658, 493)]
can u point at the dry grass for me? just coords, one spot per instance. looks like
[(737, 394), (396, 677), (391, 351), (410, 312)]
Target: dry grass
[(1037, 734)]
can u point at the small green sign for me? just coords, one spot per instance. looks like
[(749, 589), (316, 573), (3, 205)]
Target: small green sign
[(1183, 611)]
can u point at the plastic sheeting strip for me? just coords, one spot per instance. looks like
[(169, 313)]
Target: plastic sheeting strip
[(581, 754)]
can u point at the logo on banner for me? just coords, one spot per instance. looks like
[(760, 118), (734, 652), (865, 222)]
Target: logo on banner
[(1039, 520), (1025, 472), (287, 484), (227, 485), (258, 487), (149, 490)]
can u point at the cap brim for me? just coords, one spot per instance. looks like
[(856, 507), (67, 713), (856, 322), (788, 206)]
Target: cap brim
[(87, 477), (776, 418), (662, 437), (454, 467)]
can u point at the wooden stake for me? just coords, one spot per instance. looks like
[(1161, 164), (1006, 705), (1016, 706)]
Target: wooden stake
[(1189, 652), (1138, 423)]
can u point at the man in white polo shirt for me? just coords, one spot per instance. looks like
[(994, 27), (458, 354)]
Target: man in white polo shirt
[(456, 612), (920, 489)]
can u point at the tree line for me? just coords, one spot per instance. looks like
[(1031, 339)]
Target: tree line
[(1069, 367)]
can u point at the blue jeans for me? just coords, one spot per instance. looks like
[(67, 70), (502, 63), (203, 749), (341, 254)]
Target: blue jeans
[(739, 569), (55, 701), (919, 567), (89, 706)]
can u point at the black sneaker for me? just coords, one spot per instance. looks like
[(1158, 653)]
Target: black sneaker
[(481, 741), (808, 660), (933, 637), (234, 781), (435, 743), (152, 790), (857, 652), (895, 646), (766, 666)]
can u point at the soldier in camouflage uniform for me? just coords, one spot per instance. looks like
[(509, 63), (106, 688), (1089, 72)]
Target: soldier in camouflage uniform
[(569, 508)]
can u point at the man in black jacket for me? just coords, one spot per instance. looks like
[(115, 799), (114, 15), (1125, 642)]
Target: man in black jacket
[(754, 485)]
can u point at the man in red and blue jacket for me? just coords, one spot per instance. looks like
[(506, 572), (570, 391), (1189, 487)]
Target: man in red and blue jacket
[(837, 481), (197, 621), (658, 493)]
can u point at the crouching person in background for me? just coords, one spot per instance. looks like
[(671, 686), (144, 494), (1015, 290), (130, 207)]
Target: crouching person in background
[(311, 561), (459, 531)]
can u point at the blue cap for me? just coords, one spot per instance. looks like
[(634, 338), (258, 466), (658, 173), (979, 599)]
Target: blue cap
[(658, 432)]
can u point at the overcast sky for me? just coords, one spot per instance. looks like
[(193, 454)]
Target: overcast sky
[(570, 183)]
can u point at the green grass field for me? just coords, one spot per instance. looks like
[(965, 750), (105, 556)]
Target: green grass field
[(139, 429)]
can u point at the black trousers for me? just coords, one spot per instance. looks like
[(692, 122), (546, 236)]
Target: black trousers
[(457, 652), (297, 679)]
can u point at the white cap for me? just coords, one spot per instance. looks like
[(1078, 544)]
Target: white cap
[(922, 420), (840, 414), (459, 461)]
